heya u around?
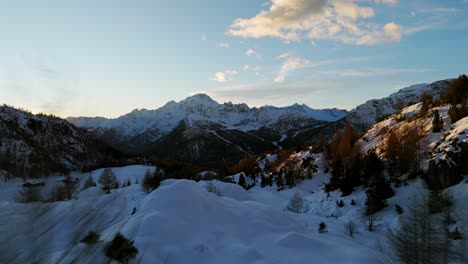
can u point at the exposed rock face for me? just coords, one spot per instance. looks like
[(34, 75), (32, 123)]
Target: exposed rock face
[(450, 158)]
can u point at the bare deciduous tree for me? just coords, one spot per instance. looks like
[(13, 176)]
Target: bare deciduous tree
[(108, 180), (421, 238), (297, 204), (350, 228)]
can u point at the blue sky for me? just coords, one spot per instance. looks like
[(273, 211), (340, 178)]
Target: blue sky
[(106, 58)]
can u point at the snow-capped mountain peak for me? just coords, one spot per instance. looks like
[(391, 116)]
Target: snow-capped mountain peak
[(150, 125)]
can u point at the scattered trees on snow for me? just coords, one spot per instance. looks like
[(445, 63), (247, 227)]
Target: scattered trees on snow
[(152, 181)]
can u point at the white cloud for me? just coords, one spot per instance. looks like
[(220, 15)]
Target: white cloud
[(387, 2), (391, 33), (223, 45), (341, 20), (413, 13), (250, 52), (283, 56), (203, 38), (251, 68), (225, 76), (289, 65)]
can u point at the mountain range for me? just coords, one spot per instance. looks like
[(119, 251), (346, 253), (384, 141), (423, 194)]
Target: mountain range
[(199, 129), (196, 130)]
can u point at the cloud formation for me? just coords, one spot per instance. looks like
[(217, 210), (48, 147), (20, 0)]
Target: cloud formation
[(223, 45), (283, 56), (250, 52), (341, 20), (225, 76), (387, 2), (251, 68), (289, 65)]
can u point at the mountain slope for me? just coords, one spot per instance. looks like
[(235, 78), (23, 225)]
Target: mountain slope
[(36, 145), (365, 115), (443, 154)]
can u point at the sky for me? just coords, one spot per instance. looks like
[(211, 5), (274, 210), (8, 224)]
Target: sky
[(106, 58)]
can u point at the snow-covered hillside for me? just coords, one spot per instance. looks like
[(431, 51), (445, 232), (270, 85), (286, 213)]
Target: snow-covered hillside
[(365, 115), (181, 222)]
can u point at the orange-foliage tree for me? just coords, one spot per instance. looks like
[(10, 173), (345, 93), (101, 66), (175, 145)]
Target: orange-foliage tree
[(345, 161)]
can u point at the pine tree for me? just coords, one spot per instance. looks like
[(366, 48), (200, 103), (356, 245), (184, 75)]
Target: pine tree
[(322, 227), (121, 249), (392, 145), (437, 122), (427, 101), (378, 191), (89, 183)]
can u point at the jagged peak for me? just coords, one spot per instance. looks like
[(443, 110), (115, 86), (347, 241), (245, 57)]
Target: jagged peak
[(199, 99)]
